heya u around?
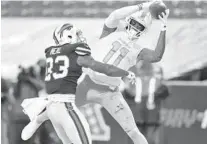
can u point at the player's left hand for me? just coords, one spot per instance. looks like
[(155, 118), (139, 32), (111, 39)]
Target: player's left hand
[(163, 17)]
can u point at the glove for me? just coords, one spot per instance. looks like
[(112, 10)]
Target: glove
[(131, 77), (163, 18)]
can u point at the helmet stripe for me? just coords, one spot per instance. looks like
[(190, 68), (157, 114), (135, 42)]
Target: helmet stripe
[(65, 26)]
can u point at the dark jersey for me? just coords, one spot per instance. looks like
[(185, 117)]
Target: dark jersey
[(62, 69)]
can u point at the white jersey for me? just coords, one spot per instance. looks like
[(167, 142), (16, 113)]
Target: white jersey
[(115, 49)]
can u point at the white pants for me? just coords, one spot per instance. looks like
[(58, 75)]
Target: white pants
[(69, 123), (112, 101)]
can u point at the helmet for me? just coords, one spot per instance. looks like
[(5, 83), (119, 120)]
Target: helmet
[(67, 33), (138, 23)]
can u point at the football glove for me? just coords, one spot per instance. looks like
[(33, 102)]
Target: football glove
[(163, 18)]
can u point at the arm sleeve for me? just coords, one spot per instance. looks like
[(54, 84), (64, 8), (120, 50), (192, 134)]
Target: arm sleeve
[(154, 55), (110, 70)]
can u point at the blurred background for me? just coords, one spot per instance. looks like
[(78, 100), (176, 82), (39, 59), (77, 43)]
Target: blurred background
[(169, 102)]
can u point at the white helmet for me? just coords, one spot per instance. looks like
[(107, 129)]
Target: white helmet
[(67, 33), (138, 23)]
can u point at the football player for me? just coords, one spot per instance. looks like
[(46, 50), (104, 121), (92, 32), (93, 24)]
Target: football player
[(119, 40), (118, 45), (64, 67)]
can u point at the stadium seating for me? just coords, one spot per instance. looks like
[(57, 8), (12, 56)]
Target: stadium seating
[(91, 8)]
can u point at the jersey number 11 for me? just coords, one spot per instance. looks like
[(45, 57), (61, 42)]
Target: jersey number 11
[(116, 46)]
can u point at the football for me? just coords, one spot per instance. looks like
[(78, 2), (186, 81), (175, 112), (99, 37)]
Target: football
[(157, 8)]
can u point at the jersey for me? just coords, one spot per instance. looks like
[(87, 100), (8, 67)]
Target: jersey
[(115, 49), (62, 69)]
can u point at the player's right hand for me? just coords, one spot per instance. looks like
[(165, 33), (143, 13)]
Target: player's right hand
[(130, 77)]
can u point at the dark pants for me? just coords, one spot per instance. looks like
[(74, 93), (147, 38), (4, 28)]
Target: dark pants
[(151, 132)]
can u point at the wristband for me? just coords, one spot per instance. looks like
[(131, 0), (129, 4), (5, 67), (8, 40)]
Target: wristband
[(164, 28), (130, 75)]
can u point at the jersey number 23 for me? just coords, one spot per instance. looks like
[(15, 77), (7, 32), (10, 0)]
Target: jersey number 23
[(62, 68)]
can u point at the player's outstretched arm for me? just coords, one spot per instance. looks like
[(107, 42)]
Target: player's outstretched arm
[(156, 55), (113, 19), (110, 70)]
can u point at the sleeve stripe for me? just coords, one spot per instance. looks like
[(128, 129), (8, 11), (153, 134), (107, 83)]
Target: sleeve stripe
[(87, 52), (81, 53), (83, 49)]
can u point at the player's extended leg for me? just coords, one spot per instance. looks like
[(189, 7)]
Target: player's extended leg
[(33, 125), (61, 133), (54, 112), (81, 125), (115, 104), (69, 124)]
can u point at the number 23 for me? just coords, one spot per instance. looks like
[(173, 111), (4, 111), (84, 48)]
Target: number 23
[(63, 68)]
